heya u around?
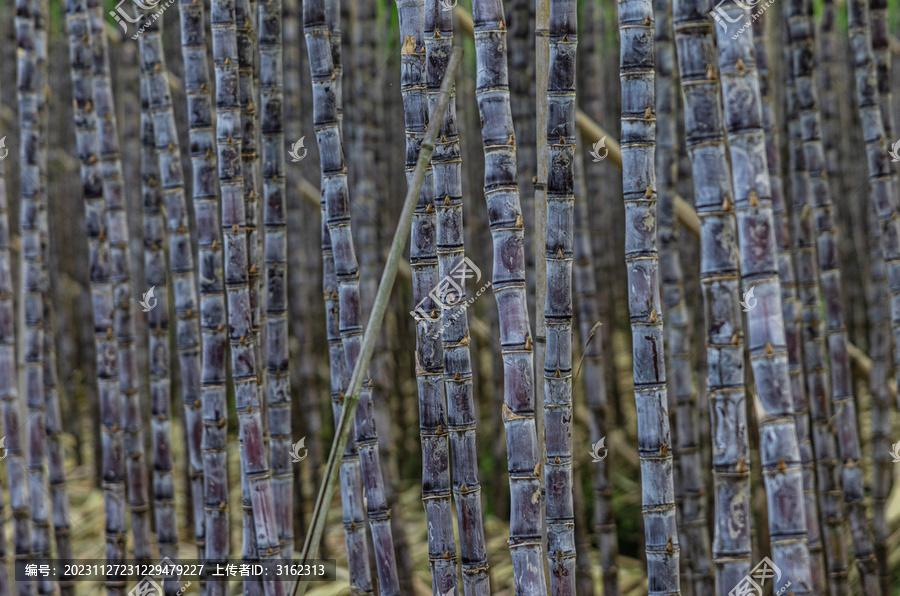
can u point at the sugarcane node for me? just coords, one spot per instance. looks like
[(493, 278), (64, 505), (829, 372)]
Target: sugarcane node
[(447, 200), (446, 554), (653, 318), (664, 450), (457, 376), (519, 222), (109, 333), (528, 345), (670, 546), (463, 488), (781, 465), (223, 506), (739, 64), (726, 203), (235, 228), (511, 140), (197, 403), (735, 338), (249, 409), (434, 313), (710, 72), (557, 374), (429, 208), (243, 340), (741, 466), (648, 193), (754, 198), (537, 469), (253, 269), (92, 159), (557, 460), (648, 113), (502, 25), (769, 349)]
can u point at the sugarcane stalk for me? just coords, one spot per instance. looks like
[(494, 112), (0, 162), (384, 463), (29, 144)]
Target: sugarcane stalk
[(791, 307), (100, 266), (883, 195), (255, 479), (8, 387), (779, 452), (278, 385), (524, 461), (815, 353), (689, 473), (154, 234), (181, 261), (379, 307), (130, 387), (31, 187), (448, 242), (542, 79), (558, 307), (666, 174), (800, 29), (636, 73), (246, 52), (731, 547), (59, 498), (524, 109), (593, 372), (322, 27), (428, 308), (245, 12), (206, 445), (879, 338)]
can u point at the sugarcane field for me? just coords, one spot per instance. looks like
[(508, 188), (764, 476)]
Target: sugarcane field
[(449, 297)]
